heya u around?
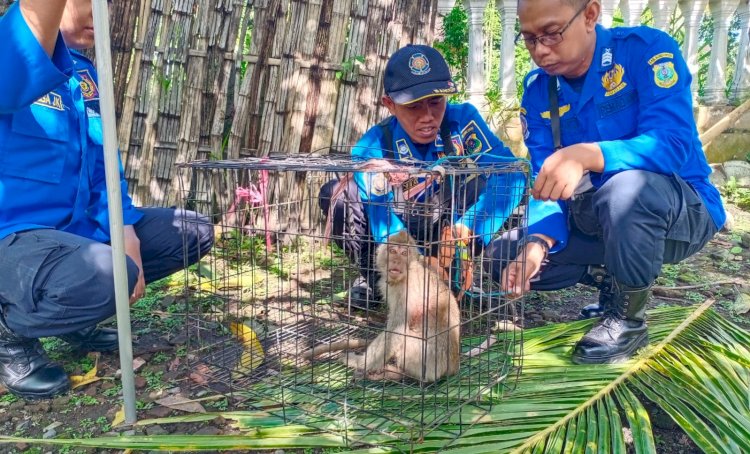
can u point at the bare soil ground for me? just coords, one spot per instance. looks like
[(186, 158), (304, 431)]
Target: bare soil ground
[(161, 349)]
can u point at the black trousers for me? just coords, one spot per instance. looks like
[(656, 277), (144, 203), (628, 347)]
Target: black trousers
[(54, 282)]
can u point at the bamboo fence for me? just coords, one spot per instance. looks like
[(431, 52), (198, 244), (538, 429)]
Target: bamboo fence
[(215, 79)]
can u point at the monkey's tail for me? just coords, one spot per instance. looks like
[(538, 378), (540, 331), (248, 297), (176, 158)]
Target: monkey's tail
[(349, 344)]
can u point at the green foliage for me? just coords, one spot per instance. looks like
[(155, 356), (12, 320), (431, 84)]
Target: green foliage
[(154, 380), (696, 370), (349, 66), (455, 43), (492, 43), (736, 194)]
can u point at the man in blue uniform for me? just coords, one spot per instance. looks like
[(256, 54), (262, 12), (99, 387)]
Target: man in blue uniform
[(621, 181), (422, 127), (56, 276)]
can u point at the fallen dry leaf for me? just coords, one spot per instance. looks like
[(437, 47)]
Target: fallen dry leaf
[(742, 304), (76, 381), (119, 417), (182, 403)]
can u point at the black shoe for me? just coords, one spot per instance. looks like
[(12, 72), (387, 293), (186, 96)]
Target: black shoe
[(362, 296), (93, 339), (25, 368), (611, 341), (620, 333)]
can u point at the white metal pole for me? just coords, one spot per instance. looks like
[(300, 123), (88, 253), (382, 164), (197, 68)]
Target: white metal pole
[(114, 198)]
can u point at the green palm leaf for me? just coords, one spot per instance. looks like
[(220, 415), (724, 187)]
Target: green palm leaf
[(697, 370)]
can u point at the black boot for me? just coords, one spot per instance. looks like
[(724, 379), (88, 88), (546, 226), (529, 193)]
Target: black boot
[(364, 294), (92, 339), (621, 331), (25, 369), (598, 278)]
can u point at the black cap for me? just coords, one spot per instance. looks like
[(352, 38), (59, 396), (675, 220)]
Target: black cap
[(415, 72)]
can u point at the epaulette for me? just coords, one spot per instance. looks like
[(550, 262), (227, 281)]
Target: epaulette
[(531, 78), (646, 34)]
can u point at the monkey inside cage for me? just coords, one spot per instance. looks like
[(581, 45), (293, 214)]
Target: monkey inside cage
[(357, 295)]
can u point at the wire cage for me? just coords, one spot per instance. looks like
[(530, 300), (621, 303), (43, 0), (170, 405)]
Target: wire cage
[(292, 237)]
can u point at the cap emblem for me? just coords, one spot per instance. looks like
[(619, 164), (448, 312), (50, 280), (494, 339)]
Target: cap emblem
[(419, 64)]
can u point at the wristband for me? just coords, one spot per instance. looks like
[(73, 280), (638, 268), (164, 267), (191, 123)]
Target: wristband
[(533, 239)]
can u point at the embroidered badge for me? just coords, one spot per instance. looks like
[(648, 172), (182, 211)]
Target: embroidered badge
[(473, 144), (419, 64), (563, 110), (51, 100), (612, 80), (665, 75), (89, 90), (403, 148), (458, 147), (658, 57), (378, 183), (607, 57), (473, 138)]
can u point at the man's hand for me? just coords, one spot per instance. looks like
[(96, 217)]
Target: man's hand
[(562, 171), (43, 18), (133, 250), (516, 277)]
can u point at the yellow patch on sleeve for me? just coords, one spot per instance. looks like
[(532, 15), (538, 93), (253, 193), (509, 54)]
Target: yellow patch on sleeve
[(659, 56)]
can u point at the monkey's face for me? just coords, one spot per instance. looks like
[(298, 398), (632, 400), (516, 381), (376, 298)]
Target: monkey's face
[(397, 263)]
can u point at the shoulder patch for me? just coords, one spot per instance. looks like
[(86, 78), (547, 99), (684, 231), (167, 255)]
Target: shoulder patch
[(89, 90), (665, 75), (660, 56), (473, 138), (51, 100), (403, 148)]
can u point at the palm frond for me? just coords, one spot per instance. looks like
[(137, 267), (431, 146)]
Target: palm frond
[(696, 369)]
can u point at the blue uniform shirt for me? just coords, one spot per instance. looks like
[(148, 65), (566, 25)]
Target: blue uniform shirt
[(635, 103), (471, 137), (51, 155)]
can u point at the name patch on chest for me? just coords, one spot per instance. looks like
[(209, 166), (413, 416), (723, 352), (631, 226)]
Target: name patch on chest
[(51, 100), (617, 104)]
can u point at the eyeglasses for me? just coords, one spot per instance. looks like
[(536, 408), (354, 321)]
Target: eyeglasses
[(549, 39)]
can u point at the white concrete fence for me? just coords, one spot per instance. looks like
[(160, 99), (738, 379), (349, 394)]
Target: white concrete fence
[(692, 11)]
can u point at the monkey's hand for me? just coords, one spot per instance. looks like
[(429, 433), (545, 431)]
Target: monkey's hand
[(462, 237)]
